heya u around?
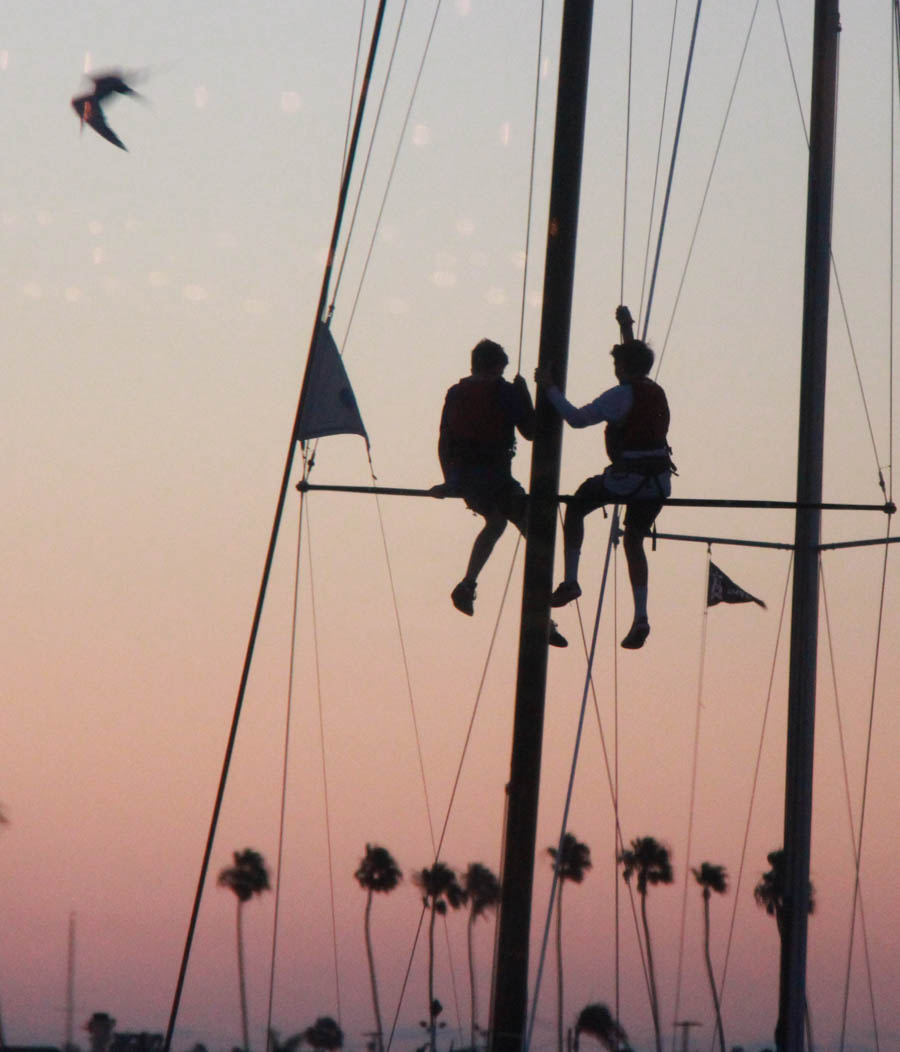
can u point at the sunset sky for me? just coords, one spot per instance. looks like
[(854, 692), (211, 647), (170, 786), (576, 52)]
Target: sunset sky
[(157, 307)]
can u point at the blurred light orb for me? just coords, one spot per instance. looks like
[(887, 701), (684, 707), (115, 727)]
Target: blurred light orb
[(465, 226), (496, 296), (201, 97), (290, 102), (157, 278), (421, 135), (195, 293), (397, 306), (32, 290), (504, 133), (444, 279), (73, 294), (95, 228), (99, 255)]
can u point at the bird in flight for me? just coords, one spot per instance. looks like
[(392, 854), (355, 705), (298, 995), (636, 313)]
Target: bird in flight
[(88, 106)]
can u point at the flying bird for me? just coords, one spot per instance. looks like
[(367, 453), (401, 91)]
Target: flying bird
[(88, 106)]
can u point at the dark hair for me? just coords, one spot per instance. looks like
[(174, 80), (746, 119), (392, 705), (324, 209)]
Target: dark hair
[(635, 355), (486, 354)]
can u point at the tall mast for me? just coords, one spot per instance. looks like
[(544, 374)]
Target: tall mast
[(807, 536), (510, 993), (70, 986)]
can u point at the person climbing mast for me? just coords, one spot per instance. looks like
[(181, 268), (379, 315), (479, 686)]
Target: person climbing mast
[(477, 442), (636, 413)]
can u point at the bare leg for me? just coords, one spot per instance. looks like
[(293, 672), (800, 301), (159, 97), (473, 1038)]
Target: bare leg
[(636, 559), (491, 532)]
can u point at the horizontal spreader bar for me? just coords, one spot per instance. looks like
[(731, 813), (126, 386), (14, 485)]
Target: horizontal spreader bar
[(441, 493)]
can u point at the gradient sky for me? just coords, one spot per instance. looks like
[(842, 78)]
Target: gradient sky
[(157, 307)]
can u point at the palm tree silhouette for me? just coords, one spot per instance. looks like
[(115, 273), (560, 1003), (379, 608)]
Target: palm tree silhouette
[(711, 879), (597, 1021), (482, 892), (650, 861), (324, 1035), (440, 889), (246, 878), (377, 871), (769, 895), (572, 860)]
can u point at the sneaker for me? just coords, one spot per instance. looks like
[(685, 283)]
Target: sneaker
[(637, 636), (463, 597), (556, 638), (565, 593)]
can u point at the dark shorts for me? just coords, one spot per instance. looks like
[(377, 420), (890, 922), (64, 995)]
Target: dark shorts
[(488, 492), (639, 514)]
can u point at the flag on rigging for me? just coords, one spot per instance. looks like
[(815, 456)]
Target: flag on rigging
[(721, 589), (327, 403)]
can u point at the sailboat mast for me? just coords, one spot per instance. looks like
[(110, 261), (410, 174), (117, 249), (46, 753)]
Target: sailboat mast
[(510, 993), (807, 536)]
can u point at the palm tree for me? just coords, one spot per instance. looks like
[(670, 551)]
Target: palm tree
[(769, 895), (440, 889), (482, 890), (711, 879), (597, 1021), (100, 1027), (377, 871), (572, 860), (650, 861), (324, 1034), (246, 878)]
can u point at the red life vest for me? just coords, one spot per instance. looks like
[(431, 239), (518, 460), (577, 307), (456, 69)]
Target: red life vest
[(646, 424)]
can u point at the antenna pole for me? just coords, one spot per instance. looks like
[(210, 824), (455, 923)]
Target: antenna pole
[(510, 994), (805, 602)]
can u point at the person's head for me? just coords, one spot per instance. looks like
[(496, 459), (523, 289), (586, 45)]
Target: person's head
[(488, 357), (632, 359)]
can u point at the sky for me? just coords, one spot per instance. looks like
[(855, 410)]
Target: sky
[(157, 308)]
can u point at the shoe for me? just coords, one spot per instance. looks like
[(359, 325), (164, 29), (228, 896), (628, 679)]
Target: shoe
[(637, 636), (463, 597), (565, 593), (556, 638)]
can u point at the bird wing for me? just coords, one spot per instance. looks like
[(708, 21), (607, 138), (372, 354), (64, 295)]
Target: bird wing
[(98, 122)]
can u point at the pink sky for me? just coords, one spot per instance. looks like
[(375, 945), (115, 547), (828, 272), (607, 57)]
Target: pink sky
[(158, 306)]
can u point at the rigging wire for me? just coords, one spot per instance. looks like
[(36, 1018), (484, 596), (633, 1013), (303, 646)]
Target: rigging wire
[(571, 785), (694, 767), (834, 270), (851, 825), (866, 769), (284, 775), (668, 193), (314, 620), (779, 634), (657, 167), (270, 554), (359, 40), (394, 161), (627, 153), (534, 123), (589, 655), (456, 781), (706, 190)]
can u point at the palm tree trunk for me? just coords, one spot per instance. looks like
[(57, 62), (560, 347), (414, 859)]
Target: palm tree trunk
[(379, 1036), (471, 926), (559, 969), (709, 971), (241, 980), (651, 974), (432, 1018)]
